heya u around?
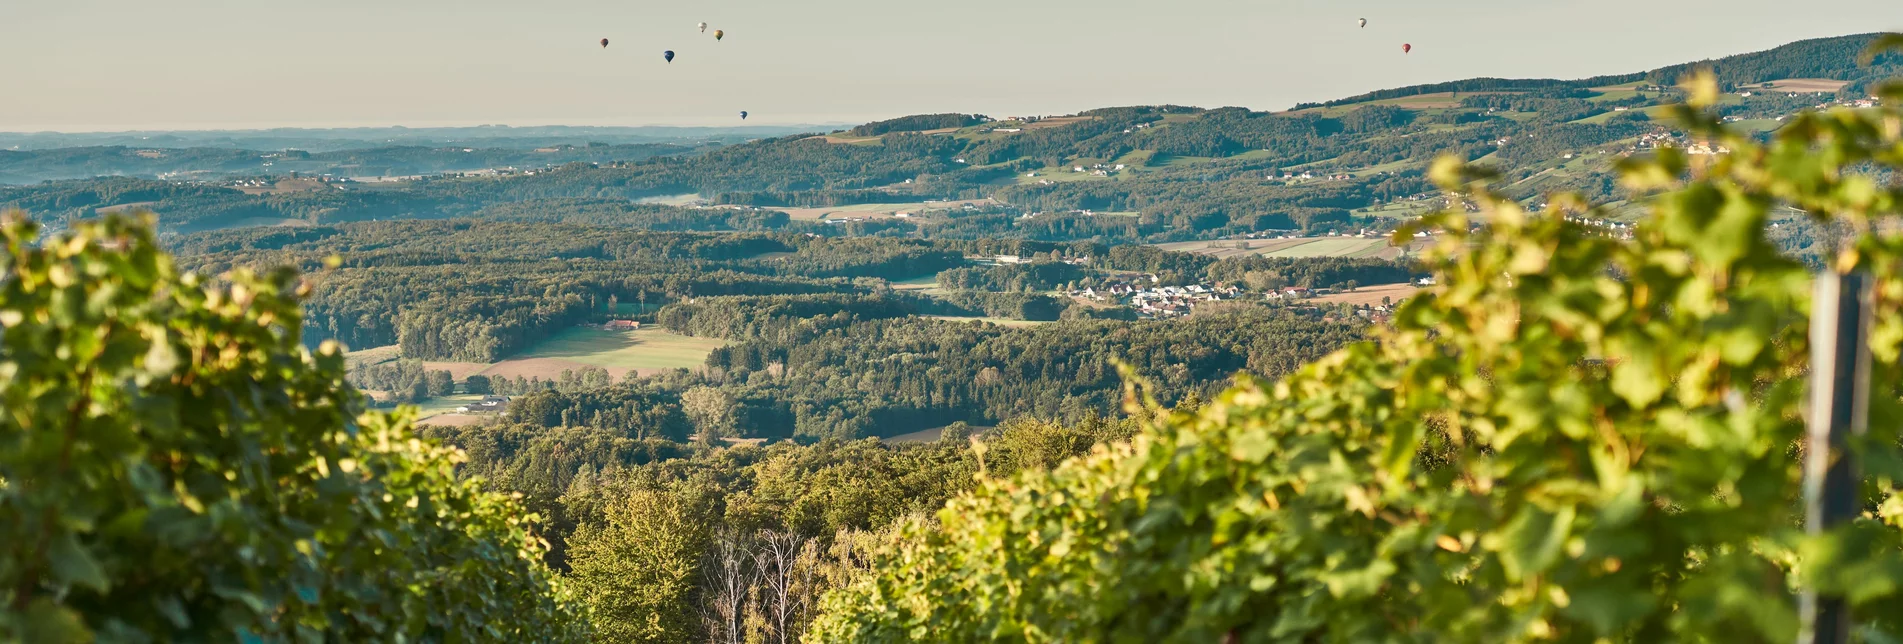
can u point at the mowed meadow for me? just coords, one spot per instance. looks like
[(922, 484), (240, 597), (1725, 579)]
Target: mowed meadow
[(643, 352)]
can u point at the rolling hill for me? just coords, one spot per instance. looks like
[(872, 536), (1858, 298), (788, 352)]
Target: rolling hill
[(1144, 173)]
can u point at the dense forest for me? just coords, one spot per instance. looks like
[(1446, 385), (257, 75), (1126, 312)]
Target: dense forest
[(801, 315), (467, 290)]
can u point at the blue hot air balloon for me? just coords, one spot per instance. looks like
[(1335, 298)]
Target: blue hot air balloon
[(669, 55), (743, 115)]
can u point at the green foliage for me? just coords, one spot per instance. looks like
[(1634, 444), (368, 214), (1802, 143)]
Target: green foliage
[(639, 567), (1576, 437), (1026, 277), (738, 544), (401, 378), (833, 376), (175, 466)]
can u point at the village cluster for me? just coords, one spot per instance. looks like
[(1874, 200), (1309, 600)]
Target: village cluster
[(1162, 302)]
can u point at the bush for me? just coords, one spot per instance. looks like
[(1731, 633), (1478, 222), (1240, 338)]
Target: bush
[(1576, 437), (174, 465)]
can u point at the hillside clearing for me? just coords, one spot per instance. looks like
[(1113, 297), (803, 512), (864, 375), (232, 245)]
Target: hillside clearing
[(645, 351), (880, 209), (1371, 295), (373, 355), (1296, 247), (1801, 85)]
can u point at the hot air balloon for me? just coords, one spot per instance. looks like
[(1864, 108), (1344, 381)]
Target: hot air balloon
[(703, 27), (718, 34), (743, 115), (1407, 48), (669, 55), (1364, 23), (604, 42)]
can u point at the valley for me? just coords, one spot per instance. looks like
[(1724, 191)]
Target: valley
[(1490, 359)]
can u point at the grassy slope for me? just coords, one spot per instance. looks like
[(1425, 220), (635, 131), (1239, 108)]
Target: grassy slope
[(649, 348)]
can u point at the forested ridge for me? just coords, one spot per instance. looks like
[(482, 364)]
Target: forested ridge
[(1817, 58), (1173, 173)]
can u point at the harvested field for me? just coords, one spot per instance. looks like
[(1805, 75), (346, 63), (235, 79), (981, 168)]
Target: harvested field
[(646, 352), (1371, 295), (1800, 85)]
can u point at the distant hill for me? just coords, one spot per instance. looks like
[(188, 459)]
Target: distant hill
[(216, 163), (1830, 58), (1148, 174), (334, 139)]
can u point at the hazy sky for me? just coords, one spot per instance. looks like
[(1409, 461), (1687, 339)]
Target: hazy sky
[(76, 65)]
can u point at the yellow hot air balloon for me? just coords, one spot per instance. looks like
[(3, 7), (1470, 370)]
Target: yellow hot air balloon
[(718, 34)]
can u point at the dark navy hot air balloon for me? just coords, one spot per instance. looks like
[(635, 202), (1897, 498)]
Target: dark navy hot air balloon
[(743, 115), (669, 55)]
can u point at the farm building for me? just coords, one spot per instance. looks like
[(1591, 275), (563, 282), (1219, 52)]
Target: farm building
[(486, 405)]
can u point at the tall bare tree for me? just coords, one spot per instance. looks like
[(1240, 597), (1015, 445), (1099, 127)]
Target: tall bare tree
[(785, 583), (729, 574)]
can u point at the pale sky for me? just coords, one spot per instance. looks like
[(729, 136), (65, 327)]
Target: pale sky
[(93, 65)]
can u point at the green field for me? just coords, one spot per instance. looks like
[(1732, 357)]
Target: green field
[(1655, 112), (927, 284), (1300, 247), (1402, 210), (1332, 247), (671, 200), (444, 405), (643, 349), (1063, 175), (1165, 160)]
